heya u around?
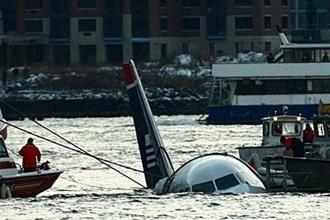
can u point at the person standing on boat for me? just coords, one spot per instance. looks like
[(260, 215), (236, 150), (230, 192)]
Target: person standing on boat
[(294, 146), (308, 134), (31, 155)]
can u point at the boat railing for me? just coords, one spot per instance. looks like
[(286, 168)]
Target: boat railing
[(285, 176)]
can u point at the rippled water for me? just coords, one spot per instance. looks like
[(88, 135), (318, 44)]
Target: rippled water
[(89, 190)]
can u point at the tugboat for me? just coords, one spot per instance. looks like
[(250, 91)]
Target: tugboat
[(310, 173)]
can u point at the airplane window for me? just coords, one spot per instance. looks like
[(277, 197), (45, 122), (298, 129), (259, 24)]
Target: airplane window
[(226, 182), (246, 178), (3, 152), (207, 187)]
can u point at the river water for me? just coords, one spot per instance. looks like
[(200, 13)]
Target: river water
[(89, 190)]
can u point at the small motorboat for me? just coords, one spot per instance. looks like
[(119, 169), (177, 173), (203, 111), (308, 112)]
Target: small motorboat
[(17, 184)]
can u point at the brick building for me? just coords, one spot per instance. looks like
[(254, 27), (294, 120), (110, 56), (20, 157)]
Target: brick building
[(90, 32)]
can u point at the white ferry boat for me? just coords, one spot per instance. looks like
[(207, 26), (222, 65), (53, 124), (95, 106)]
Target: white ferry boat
[(244, 93)]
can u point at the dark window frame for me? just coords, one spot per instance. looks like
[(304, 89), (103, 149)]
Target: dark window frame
[(267, 22), (34, 26), (34, 4), (243, 23), (243, 3), (190, 23), (163, 24), (190, 3), (87, 25), (86, 4)]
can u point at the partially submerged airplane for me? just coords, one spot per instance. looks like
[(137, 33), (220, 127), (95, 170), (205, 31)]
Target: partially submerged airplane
[(210, 173)]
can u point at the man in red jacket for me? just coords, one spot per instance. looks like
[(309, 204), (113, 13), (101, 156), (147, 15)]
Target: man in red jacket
[(31, 155)]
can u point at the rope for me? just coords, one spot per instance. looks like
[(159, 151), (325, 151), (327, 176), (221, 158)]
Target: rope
[(81, 150), (75, 150)]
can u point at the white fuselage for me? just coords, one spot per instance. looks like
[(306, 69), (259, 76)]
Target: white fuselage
[(213, 173)]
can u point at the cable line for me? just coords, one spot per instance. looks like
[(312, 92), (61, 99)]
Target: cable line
[(72, 149)]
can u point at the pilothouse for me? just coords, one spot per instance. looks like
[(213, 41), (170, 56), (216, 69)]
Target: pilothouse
[(211, 173)]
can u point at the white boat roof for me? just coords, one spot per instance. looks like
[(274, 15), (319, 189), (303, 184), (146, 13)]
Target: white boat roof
[(271, 70), (305, 46), (285, 118)]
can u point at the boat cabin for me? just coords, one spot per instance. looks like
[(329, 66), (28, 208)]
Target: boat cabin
[(7, 164), (321, 125), (282, 125), (304, 53)]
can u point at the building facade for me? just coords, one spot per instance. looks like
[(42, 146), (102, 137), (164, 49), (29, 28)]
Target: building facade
[(91, 32), (310, 20)]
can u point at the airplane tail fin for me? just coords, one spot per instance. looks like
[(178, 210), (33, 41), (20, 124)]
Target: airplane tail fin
[(155, 161), (284, 39)]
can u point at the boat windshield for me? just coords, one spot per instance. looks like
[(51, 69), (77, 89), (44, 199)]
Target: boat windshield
[(3, 150), (286, 128)]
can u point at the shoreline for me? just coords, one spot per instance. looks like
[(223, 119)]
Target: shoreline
[(40, 109)]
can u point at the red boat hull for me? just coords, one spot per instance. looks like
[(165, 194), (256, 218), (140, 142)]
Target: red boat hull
[(30, 184)]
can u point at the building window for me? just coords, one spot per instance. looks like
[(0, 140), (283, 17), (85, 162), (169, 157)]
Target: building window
[(163, 51), (87, 54), (268, 47), (267, 22), (190, 24), (33, 4), (163, 24), (112, 27), (87, 25), (190, 3), (34, 53), (59, 6), (212, 50), (185, 48), (162, 3), (61, 54), (267, 3), (34, 26), (284, 2), (86, 3), (114, 53), (114, 6), (140, 21), (243, 3), (243, 23), (59, 27), (285, 22), (244, 47)]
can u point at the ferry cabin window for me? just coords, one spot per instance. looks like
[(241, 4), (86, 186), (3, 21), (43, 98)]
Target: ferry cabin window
[(226, 182), (207, 187), (286, 128), (3, 151), (267, 87)]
